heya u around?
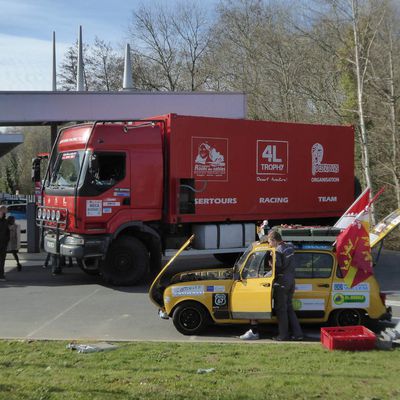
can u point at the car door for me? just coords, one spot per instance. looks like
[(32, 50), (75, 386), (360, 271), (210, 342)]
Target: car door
[(251, 294), (314, 270)]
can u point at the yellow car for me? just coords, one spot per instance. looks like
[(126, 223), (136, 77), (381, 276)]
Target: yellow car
[(196, 298)]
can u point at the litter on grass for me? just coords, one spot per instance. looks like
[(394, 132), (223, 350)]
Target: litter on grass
[(91, 348), (205, 370)]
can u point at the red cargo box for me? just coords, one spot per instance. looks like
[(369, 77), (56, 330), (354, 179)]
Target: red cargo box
[(348, 338), (246, 170)]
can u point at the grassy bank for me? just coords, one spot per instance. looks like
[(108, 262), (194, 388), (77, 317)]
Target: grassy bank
[(47, 370)]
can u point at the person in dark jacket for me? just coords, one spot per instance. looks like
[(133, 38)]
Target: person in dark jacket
[(4, 238), (14, 243), (284, 287)]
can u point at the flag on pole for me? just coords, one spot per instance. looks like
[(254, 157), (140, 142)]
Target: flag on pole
[(359, 205), (354, 251)]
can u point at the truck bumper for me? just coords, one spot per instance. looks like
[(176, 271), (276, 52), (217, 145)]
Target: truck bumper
[(76, 246)]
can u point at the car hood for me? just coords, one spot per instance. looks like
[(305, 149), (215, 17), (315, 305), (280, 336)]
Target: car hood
[(157, 289)]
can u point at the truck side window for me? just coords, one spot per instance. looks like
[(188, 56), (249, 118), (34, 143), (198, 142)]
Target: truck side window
[(109, 168), (313, 265)]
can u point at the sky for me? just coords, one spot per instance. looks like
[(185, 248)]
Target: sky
[(26, 29)]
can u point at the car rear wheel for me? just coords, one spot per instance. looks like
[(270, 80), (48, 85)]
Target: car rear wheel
[(126, 263), (190, 318), (347, 317)]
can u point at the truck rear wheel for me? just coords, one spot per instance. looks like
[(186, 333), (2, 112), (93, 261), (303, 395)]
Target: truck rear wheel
[(190, 318), (126, 263)]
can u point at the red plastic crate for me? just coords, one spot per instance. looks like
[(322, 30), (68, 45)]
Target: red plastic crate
[(348, 338)]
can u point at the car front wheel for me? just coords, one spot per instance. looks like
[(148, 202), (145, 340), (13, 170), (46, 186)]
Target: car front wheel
[(190, 318)]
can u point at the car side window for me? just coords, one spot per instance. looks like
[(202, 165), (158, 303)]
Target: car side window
[(313, 265), (258, 265)]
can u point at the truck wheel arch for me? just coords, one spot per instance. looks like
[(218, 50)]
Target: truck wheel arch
[(146, 234)]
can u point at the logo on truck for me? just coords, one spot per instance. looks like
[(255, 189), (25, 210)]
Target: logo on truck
[(272, 158), (210, 158), (318, 167)]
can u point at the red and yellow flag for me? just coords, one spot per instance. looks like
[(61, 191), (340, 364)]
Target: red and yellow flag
[(354, 251)]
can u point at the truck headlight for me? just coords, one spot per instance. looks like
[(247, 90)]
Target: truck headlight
[(48, 214), (39, 213), (53, 215), (74, 240), (58, 215)]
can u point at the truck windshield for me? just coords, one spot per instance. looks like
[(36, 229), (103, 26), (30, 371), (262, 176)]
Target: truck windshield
[(66, 169)]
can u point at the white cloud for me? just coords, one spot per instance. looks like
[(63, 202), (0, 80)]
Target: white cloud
[(26, 63)]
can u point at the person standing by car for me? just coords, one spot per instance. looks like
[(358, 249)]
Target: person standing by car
[(4, 238), (284, 288), (14, 242)]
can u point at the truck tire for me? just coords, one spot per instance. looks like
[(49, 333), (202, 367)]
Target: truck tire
[(89, 266), (227, 258), (190, 318), (347, 317), (126, 263)]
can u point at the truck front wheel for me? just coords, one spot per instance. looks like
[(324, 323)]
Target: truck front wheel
[(126, 263)]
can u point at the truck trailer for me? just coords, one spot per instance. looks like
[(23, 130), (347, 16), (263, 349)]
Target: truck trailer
[(118, 195)]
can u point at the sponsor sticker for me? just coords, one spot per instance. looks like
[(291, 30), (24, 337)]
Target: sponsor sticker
[(343, 287), (350, 300), (215, 288), (121, 192), (107, 210), (220, 301), (94, 208), (210, 158), (111, 203), (318, 167), (216, 200), (305, 287), (309, 304), (272, 158), (192, 290)]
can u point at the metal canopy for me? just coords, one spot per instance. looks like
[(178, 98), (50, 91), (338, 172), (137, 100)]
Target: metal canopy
[(47, 108), (9, 141)]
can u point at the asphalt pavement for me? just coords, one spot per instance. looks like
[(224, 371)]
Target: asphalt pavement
[(75, 306)]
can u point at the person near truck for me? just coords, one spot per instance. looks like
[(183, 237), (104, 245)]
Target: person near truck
[(4, 238), (14, 242), (284, 287)]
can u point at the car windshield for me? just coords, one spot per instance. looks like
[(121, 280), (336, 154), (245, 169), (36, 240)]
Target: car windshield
[(66, 169), (242, 258)]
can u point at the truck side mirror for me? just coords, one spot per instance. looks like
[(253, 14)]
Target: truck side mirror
[(36, 170)]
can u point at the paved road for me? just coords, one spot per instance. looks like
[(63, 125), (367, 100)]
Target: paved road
[(36, 305)]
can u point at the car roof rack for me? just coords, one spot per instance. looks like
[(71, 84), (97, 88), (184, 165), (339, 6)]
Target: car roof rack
[(309, 234)]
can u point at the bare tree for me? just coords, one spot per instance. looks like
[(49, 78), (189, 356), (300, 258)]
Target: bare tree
[(169, 45)]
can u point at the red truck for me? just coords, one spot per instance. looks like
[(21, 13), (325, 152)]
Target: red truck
[(118, 195)]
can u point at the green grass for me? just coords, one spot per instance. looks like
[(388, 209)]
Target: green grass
[(47, 370)]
